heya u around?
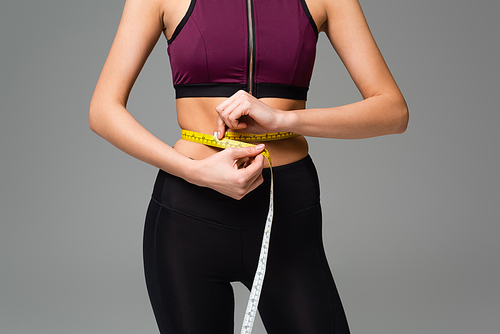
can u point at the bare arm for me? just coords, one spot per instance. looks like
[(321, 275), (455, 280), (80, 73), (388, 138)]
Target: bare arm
[(382, 111), (140, 27)]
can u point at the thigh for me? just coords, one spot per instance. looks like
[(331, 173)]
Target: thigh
[(187, 264), (299, 294)]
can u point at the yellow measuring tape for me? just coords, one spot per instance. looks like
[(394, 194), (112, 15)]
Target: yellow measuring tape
[(237, 139)]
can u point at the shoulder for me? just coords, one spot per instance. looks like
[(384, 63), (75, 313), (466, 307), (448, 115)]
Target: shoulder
[(164, 12), (145, 9), (147, 4), (326, 11), (334, 11), (171, 12)]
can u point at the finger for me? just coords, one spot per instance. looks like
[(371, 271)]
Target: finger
[(226, 118), (226, 107), (255, 167), (239, 125), (242, 163), (230, 115), (248, 161), (251, 172), (243, 152), (252, 183), (221, 128), (253, 176), (233, 111), (255, 171), (224, 104), (257, 182)]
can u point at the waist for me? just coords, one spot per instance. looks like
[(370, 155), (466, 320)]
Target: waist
[(282, 152), (199, 115)]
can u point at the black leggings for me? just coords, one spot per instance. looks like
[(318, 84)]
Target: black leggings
[(197, 241)]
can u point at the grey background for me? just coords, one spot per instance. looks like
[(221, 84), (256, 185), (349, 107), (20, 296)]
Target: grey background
[(411, 221)]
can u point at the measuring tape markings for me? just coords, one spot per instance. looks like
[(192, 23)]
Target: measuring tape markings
[(236, 139)]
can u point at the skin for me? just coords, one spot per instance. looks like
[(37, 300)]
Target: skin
[(382, 111)]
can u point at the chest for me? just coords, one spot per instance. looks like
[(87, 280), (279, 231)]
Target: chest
[(245, 42)]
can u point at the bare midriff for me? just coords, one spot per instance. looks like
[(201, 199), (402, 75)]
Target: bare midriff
[(198, 114)]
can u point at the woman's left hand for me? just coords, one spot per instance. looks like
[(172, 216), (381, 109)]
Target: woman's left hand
[(243, 111)]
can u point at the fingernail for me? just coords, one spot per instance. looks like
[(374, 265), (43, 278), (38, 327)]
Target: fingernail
[(259, 147)]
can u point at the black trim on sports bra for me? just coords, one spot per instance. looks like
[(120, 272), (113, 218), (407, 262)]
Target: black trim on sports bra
[(262, 89), (207, 89), (309, 16), (183, 22)]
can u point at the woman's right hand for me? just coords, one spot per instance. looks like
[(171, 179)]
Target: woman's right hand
[(233, 172)]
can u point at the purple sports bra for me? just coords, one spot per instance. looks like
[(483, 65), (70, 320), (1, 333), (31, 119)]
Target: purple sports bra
[(266, 47)]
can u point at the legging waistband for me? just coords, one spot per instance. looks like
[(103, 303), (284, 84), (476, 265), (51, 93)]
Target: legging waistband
[(296, 187)]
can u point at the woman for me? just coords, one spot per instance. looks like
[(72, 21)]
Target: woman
[(242, 65)]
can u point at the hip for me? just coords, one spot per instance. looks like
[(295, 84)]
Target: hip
[(296, 187)]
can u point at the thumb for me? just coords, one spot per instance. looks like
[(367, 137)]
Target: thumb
[(245, 152)]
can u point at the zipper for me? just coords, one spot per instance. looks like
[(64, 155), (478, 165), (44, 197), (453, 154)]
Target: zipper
[(251, 47)]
